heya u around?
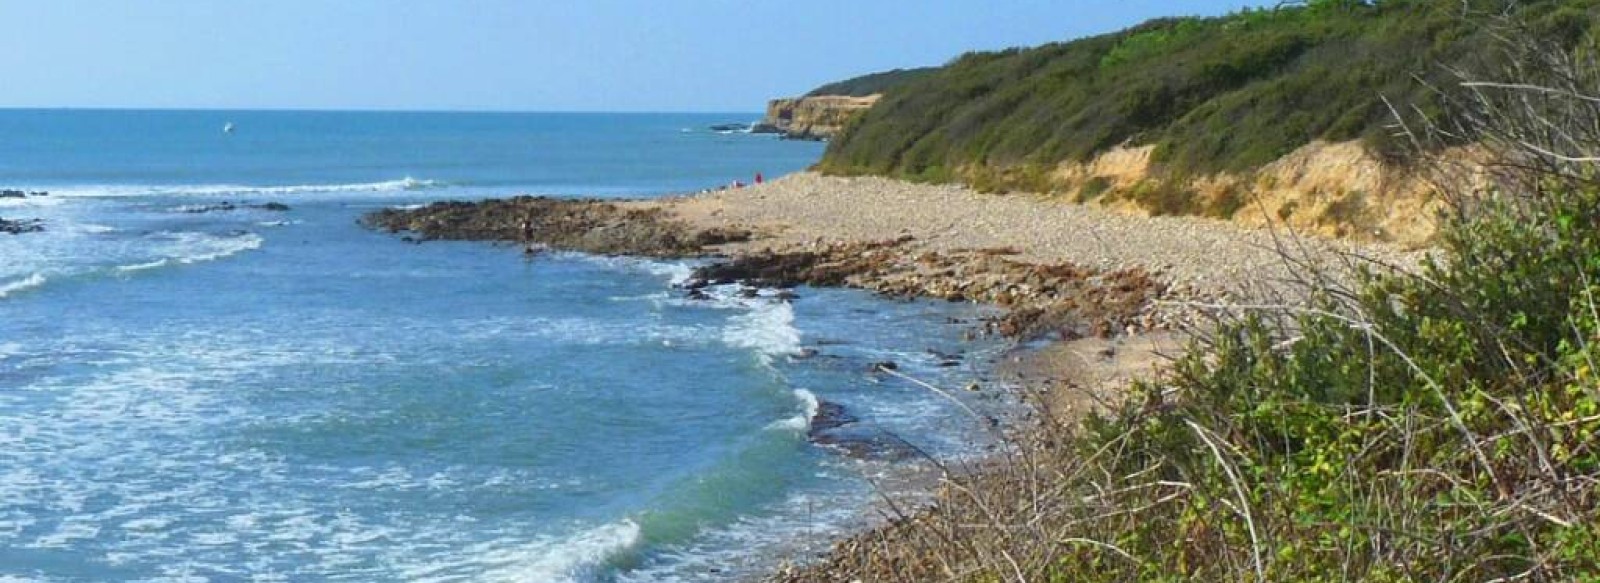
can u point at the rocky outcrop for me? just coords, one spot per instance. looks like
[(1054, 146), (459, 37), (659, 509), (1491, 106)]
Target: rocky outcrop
[(817, 117), (19, 227), (591, 226), (226, 206), (1059, 299), (1062, 300)]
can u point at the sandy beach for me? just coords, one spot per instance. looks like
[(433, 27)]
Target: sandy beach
[(1209, 256)]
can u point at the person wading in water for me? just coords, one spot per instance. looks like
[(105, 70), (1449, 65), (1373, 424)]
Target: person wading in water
[(527, 237)]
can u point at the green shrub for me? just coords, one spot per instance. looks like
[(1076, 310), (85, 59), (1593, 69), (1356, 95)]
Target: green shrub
[(1093, 188)]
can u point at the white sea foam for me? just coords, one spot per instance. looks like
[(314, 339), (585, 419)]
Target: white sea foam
[(560, 561), (210, 248), (143, 266), (768, 328), (125, 190), (808, 411), (14, 286), (676, 272)]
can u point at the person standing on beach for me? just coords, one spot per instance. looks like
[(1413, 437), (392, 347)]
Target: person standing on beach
[(758, 178)]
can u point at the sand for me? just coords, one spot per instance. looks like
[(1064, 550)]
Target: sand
[(1211, 256)]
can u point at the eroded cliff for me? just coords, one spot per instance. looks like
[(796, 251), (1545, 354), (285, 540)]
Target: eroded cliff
[(817, 117)]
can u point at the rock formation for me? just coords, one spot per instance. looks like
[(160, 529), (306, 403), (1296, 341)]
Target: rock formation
[(817, 117)]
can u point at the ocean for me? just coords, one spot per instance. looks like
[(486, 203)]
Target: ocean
[(196, 387)]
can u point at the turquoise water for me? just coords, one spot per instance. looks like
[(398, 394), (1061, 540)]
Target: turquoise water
[(252, 395)]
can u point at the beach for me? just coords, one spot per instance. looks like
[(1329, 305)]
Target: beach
[(1094, 299)]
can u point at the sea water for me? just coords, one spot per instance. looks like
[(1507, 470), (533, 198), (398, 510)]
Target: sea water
[(195, 393)]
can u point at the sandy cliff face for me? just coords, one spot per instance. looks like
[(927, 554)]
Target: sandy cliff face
[(1330, 189), (814, 118)]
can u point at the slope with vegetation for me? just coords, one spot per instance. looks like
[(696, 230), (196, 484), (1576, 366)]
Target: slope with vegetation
[(1433, 426), (1191, 99), (872, 83)]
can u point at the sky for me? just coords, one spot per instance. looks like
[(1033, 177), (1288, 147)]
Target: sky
[(506, 55)]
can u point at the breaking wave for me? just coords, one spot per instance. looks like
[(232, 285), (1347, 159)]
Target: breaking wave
[(97, 191)]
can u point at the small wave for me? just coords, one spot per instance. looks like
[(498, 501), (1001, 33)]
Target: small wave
[(106, 191), (189, 248), (768, 328), (566, 560), (142, 266), (808, 411), (211, 248), (30, 282)]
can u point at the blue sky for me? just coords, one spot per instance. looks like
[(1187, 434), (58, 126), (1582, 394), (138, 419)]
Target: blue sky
[(518, 55)]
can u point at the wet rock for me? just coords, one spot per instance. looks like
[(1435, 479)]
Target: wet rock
[(830, 415), (18, 227), (883, 366), (749, 293), (835, 428), (786, 296), (865, 444), (272, 206), (592, 226), (697, 295), (11, 193)]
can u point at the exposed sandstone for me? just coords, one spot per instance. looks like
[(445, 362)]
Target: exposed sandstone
[(818, 117)]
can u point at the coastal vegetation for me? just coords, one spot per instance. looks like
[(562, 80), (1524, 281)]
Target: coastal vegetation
[(1211, 95), (872, 83), (1439, 425)]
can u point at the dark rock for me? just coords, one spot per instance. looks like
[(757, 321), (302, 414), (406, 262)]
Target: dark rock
[(865, 444), (731, 127), (587, 225), (786, 296), (883, 366), (10, 193), (272, 206), (698, 296), (695, 283), (19, 227), (830, 415), (749, 293), (836, 428)]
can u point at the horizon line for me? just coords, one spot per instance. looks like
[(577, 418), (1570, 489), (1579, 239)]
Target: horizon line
[(372, 110)]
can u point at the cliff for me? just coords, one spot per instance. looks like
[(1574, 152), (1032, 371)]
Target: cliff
[(1218, 113), (817, 117)]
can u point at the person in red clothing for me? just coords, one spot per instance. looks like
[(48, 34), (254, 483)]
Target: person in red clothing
[(758, 178)]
